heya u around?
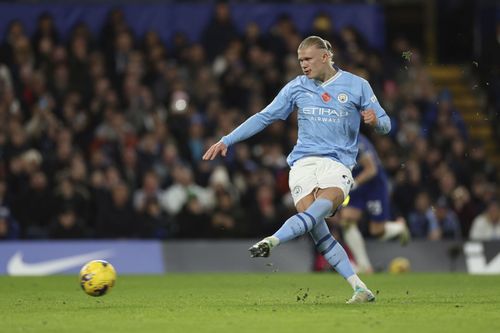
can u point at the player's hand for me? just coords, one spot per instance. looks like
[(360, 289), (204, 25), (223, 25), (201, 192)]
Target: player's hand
[(369, 117), (216, 149)]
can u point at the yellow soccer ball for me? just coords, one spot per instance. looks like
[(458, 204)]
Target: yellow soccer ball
[(97, 277), (399, 265), (346, 201)]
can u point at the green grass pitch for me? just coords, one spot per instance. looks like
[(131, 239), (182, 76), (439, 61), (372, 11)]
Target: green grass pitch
[(274, 302)]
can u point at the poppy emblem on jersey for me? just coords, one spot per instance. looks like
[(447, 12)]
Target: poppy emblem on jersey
[(342, 98), (326, 97)]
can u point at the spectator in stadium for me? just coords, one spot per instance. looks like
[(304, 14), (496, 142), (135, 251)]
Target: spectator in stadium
[(175, 197), (9, 229), (4, 199), (43, 48), (78, 62), (407, 182), (444, 223), (447, 182), (193, 220), (153, 222), (220, 31), (464, 208), (278, 37), (67, 224), (318, 184), (443, 115), (129, 168), (14, 33), (266, 212), (115, 213), (150, 190), (45, 31), (165, 165), (419, 220), (196, 135), (115, 22), (35, 206), (479, 164), (323, 26), (482, 191), (227, 220), (67, 195), (486, 226)]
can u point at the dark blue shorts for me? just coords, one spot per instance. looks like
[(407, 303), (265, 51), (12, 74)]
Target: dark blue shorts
[(372, 197)]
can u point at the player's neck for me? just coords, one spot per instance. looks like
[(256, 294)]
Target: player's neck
[(328, 74)]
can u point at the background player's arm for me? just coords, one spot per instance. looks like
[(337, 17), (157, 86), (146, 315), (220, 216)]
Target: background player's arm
[(369, 169)]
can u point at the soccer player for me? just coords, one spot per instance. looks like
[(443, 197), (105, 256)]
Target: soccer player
[(369, 194), (331, 103)]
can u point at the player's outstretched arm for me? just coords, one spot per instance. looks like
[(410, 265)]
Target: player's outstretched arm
[(216, 149)]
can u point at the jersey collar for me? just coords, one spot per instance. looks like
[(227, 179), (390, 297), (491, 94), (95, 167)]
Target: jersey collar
[(333, 78)]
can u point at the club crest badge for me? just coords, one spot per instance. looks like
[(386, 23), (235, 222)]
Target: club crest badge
[(342, 98), (326, 97), (296, 190)]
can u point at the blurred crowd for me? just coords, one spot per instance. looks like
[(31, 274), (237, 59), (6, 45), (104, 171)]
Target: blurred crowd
[(102, 135)]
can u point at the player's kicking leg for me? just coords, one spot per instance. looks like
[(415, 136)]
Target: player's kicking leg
[(312, 220)]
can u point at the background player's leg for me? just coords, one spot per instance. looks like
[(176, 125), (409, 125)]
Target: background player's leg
[(350, 218), (378, 210), (386, 230)]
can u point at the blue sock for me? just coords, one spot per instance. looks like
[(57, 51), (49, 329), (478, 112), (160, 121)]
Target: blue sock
[(333, 252), (301, 223)]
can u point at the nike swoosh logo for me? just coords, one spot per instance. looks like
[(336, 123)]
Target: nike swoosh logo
[(17, 266)]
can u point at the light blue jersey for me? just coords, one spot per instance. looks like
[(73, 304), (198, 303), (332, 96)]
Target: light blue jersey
[(328, 116)]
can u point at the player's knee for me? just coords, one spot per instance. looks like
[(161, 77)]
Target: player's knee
[(376, 229), (351, 213), (334, 194), (347, 223)]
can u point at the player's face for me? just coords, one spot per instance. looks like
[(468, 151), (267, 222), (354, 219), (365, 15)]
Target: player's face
[(313, 61)]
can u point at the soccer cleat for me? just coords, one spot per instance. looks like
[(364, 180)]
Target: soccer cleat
[(260, 249), (405, 236), (361, 295)]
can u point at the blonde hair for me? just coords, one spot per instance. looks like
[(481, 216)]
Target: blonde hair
[(320, 43)]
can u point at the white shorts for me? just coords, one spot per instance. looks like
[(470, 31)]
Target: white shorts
[(313, 172)]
